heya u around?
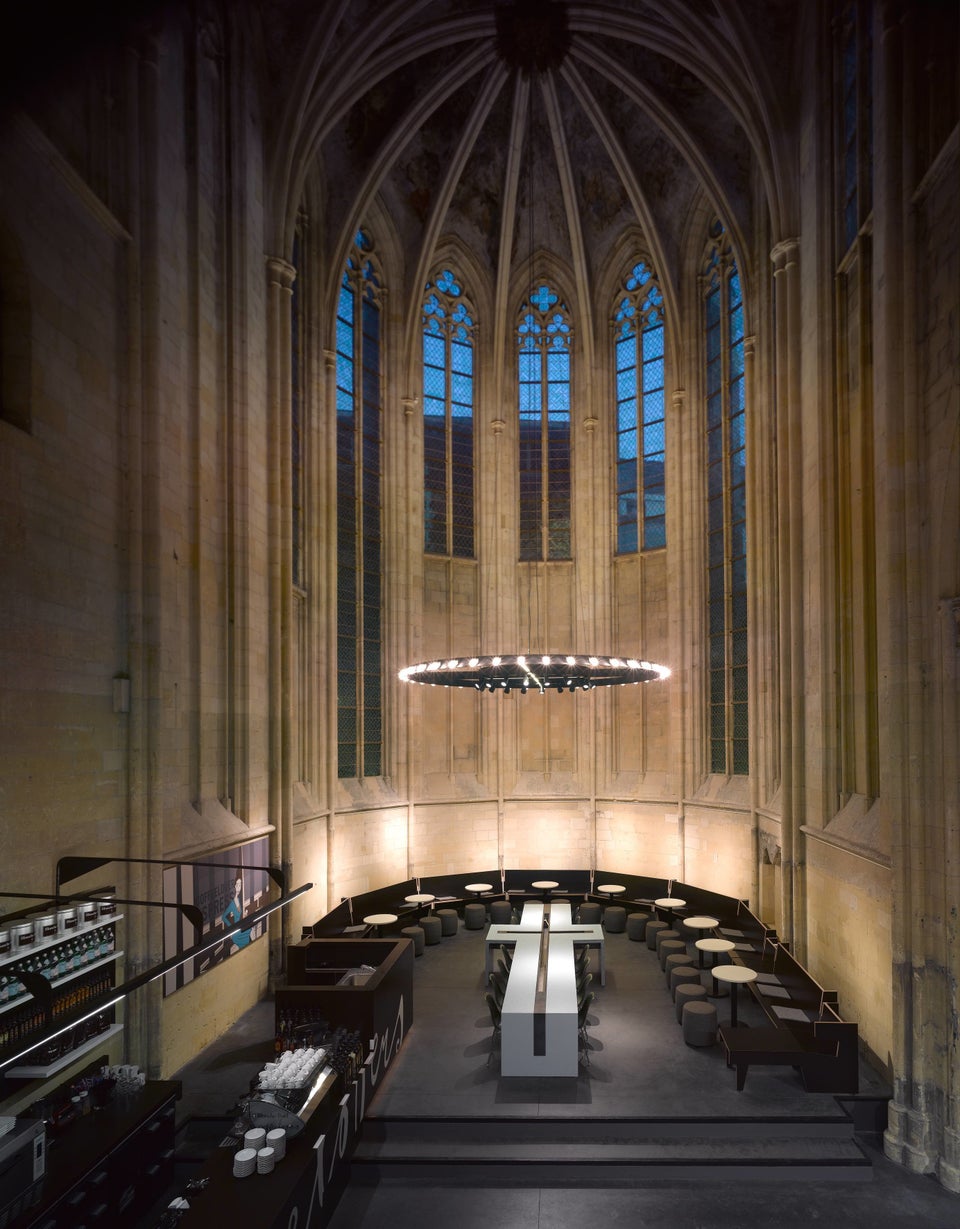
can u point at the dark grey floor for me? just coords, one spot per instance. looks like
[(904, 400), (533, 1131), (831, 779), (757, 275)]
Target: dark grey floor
[(639, 1068)]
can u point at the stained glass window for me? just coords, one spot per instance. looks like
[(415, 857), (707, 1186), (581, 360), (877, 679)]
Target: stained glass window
[(543, 404), (854, 118), (640, 445), (448, 393), (726, 508), (296, 410), (359, 407)]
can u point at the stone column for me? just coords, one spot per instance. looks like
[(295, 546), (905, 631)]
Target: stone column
[(925, 1057), (786, 272), (280, 278), (329, 656)]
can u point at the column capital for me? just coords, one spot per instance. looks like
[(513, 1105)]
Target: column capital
[(784, 254), (497, 426), (329, 360), (409, 404), (280, 272), (590, 424)]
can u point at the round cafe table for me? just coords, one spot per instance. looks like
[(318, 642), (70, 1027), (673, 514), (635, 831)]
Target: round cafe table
[(376, 920), (611, 889), (735, 975), (701, 923), (479, 888), (713, 945), (669, 903), (419, 899), (544, 886)]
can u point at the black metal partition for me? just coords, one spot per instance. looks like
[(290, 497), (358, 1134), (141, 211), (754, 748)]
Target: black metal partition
[(569, 882), (451, 889), (454, 887), (640, 889), (728, 910)]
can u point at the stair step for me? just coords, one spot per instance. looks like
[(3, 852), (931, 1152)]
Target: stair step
[(604, 1152), (601, 1130), (562, 1154)]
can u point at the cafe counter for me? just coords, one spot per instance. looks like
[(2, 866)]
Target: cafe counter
[(365, 986)]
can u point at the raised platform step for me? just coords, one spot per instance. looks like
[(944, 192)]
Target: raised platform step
[(567, 1129), (605, 1152)]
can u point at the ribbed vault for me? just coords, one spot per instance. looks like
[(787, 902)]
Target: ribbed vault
[(531, 123)]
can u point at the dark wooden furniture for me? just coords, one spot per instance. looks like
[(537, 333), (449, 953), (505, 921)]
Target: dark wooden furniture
[(108, 1166), (805, 1028), (320, 985)]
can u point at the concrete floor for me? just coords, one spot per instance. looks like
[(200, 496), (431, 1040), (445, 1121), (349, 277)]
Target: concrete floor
[(639, 1068)]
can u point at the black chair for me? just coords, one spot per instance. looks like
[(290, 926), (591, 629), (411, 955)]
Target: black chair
[(584, 1041), (507, 956), (495, 1021), (583, 985), (582, 961), (499, 987)]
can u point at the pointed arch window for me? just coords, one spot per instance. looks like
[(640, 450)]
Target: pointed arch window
[(854, 55), (359, 405), (448, 396), (726, 507), (640, 443), (297, 358), (543, 403)]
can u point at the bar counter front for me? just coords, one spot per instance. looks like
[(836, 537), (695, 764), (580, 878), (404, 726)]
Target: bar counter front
[(365, 986)]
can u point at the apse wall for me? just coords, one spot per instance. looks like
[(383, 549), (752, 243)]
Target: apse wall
[(710, 846), (849, 945)]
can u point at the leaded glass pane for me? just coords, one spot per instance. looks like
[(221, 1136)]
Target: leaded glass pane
[(639, 395), (654, 532), (359, 510), (653, 374), (543, 403)]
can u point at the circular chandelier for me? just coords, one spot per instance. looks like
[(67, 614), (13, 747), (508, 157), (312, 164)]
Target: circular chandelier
[(538, 672)]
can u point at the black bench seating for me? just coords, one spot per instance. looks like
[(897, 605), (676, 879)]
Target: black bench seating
[(805, 1030), (823, 1064)]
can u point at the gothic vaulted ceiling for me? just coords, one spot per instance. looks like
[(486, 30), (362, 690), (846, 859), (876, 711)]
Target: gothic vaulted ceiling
[(514, 125)]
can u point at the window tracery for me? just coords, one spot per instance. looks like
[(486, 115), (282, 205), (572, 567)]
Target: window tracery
[(640, 426), (359, 413), (543, 339), (723, 331), (448, 399)]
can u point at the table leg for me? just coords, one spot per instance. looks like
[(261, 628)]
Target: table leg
[(734, 987), (603, 964)]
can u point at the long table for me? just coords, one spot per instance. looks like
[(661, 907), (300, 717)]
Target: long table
[(538, 1018), (531, 922)]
